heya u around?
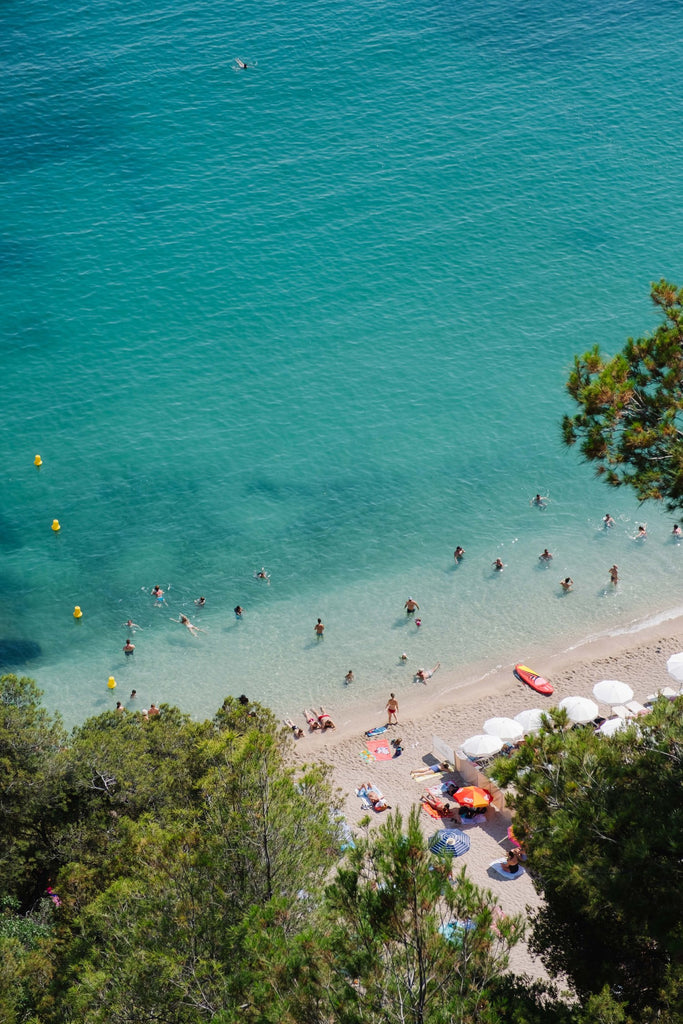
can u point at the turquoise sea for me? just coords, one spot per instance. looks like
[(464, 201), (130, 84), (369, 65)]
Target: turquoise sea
[(317, 315)]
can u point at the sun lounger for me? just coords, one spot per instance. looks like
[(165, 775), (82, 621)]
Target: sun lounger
[(622, 711), (666, 691), (636, 708)]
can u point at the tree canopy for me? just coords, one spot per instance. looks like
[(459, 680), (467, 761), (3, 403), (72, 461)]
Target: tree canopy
[(630, 423), (602, 822)]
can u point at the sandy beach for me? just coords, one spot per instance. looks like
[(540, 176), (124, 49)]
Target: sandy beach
[(453, 709)]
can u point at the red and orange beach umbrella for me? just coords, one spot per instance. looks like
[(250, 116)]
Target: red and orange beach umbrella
[(473, 796)]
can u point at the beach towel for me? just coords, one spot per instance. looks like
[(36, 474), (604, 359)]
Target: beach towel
[(381, 750), (451, 815), (497, 866), (365, 801)]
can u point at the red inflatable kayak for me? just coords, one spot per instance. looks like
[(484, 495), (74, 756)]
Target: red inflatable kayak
[(532, 679)]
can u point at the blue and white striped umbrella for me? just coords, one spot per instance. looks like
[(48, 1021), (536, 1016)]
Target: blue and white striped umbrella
[(450, 840)]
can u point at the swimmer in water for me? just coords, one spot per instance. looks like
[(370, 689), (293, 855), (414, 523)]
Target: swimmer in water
[(200, 602), (642, 533), (238, 611), (545, 556), (567, 583), (458, 553), (608, 521), (540, 500), (158, 594), (498, 565), (423, 674), (262, 575), (677, 533), (184, 621), (241, 66), (128, 647), (130, 625)]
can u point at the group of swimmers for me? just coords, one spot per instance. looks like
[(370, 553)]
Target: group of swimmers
[(546, 557)]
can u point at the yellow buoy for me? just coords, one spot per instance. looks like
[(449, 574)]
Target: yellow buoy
[(55, 525), (37, 461), (78, 614), (112, 683)]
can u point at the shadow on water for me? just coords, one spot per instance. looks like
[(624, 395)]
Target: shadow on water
[(16, 652)]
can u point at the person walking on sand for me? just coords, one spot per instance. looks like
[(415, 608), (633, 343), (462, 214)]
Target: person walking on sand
[(392, 710), (614, 575), (319, 629), (411, 606)]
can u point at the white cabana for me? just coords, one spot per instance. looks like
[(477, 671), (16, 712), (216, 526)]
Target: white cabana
[(482, 745), (506, 728), (611, 691), (530, 720), (580, 709)]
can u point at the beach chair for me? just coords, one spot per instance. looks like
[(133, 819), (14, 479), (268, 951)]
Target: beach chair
[(622, 711), (636, 708)]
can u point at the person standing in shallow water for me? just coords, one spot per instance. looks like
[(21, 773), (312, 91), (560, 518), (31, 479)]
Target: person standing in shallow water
[(411, 606), (614, 575), (319, 629)]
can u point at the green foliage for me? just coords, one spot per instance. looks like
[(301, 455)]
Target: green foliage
[(630, 420), (26, 958), (602, 821), (30, 784), (390, 961)]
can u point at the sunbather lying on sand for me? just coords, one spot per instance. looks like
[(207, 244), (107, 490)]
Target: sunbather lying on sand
[(297, 731), (442, 806), (312, 720), (325, 720), (378, 802)]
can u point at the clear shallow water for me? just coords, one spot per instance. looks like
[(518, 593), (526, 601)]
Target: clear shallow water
[(318, 316)]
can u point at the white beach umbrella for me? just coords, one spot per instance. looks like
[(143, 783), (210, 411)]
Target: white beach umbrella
[(580, 709), (611, 691), (530, 720), (506, 728), (611, 726), (482, 745), (674, 666)]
